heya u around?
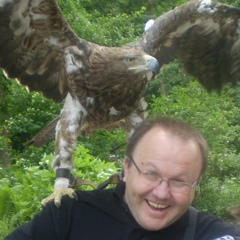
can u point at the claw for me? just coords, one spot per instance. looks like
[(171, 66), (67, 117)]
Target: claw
[(61, 188), (58, 194)]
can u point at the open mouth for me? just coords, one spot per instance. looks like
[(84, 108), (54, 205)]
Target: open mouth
[(156, 205)]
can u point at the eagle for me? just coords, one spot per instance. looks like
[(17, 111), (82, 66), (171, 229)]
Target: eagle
[(103, 87)]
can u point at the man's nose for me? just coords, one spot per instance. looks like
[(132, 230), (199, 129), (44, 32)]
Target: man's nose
[(162, 191)]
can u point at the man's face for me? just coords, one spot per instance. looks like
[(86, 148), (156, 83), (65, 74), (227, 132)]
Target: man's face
[(156, 207)]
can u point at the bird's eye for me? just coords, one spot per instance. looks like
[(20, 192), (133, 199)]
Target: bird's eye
[(131, 59)]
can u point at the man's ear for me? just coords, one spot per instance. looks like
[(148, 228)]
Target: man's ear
[(126, 168)]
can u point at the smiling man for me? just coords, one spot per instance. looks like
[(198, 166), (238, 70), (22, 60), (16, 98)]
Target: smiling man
[(161, 184), (165, 161)]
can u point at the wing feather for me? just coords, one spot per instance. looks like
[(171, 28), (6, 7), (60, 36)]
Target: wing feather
[(34, 36), (204, 36)]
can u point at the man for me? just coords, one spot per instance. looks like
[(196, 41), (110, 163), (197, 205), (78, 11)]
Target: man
[(165, 161)]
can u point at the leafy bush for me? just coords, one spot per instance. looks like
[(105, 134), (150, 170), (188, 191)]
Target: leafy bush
[(21, 193), (22, 187), (113, 144), (28, 113)]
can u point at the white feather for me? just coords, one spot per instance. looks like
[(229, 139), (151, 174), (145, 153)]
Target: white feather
[(206, 6), (149, 24), (113, 111)]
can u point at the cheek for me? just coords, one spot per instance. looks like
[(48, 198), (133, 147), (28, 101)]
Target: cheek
[(133, 182), (135, 193), (184, 200), (135, 188)]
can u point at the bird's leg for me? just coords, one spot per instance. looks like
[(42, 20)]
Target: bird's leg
[(66, 136), (136, 117)]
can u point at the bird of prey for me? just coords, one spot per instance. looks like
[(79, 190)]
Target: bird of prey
[(103, 87)]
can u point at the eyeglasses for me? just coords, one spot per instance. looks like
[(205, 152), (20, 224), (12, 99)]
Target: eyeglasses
[(153, 180)]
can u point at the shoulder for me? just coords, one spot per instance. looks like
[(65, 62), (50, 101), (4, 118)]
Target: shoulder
[(100, 200), (212, 227), (85, 199), (102, 195), (94, 195)]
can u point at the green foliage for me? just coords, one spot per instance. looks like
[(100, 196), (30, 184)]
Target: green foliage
[(21, 194), (92, 168), (218, 197), (25, 114), (22, 187), (211, 113), (170, 75), (111, 26), (106, 145), (4, 90)]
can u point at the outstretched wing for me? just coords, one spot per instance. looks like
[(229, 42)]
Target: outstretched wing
[(204, 36), (36, 45)]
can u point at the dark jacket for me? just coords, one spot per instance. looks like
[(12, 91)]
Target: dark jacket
[(103, 215)]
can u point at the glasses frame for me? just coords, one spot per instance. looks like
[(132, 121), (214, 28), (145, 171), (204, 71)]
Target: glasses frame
[(160, 179)]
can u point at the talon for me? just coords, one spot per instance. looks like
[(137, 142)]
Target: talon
[(75, 196), (70, 193), (57, 202), (57, 195)]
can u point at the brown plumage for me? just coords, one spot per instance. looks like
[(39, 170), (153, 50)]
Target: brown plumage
[(103, 86), (204, 36)]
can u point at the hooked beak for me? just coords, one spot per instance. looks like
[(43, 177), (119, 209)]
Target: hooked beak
[(153, 65)]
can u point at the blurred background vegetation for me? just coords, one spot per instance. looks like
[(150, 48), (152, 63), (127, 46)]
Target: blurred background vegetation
[(26, 176)]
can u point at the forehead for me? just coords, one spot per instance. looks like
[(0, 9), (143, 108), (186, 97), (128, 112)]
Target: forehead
[(160, 132), (159, 146)]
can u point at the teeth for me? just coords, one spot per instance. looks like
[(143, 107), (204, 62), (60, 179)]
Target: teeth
[(156, 205)]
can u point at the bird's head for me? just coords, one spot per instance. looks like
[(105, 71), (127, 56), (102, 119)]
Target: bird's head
[(123, 63)]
